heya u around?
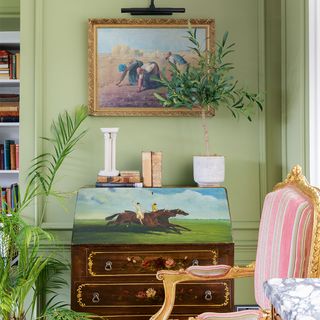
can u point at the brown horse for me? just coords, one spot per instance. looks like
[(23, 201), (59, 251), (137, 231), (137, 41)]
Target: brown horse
[(155, 219), (162, 217), (127, 217)]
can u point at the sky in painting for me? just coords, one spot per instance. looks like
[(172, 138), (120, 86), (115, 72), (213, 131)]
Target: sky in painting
[(200, 203), (148, 39)]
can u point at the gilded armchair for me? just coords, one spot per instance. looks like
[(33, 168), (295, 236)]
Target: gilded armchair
[(288, 246)]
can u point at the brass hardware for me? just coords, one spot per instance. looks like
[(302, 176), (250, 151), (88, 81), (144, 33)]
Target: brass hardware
[(208, 295), (195, 262), (96, 297), (108, 266)]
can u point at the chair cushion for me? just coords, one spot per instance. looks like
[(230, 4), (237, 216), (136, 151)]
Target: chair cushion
[(284, 239), (209, 271), (241, 315)]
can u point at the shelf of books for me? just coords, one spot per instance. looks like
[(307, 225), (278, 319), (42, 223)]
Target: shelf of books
[(9, 117)]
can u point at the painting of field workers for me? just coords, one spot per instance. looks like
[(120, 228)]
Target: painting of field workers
[(152, 216), (132, 60)]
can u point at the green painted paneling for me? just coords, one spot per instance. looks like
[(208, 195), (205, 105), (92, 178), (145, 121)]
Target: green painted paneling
[(295, 84), (54, 79), (64, 83)]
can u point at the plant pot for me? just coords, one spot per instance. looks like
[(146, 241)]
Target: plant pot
[(208, 171)]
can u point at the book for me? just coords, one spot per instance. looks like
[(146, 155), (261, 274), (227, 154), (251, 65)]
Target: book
[(9, 108), (9, 104), (17, 155), (14, 195), (118, 185), (9, 113), (8, 199), (13, 156), (156, 163), (119, 179), (1, 156), (146, 169), (3, 205), (127, 173), (4, 53), (6, 161), (9, 119), (9, 97), (18, 65)]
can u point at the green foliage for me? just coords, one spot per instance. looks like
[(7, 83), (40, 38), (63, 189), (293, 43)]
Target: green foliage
[(208, 84), (36, 274)]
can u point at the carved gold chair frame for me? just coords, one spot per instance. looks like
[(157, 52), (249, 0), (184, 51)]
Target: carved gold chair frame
[(172, 278)]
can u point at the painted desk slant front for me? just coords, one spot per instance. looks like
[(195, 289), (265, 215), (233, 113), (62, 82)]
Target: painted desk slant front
[(294, 298), (123, 236)]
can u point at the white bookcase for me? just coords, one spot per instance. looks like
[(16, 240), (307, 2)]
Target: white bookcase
[(9, 130)]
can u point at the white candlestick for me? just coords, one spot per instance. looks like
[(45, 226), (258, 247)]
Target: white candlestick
[(110, 138)]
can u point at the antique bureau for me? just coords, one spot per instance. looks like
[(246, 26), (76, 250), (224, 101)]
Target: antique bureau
[(123, 236)]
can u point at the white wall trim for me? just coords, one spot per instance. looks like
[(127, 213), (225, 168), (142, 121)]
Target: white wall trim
[(314, 90)]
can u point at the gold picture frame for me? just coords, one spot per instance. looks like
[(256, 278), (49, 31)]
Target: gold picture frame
[(125, 56)]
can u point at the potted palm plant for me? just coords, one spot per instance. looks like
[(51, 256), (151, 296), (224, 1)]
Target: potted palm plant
[(208, 85), (27, 275)]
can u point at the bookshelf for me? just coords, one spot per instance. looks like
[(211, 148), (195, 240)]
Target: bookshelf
[(9, 93)]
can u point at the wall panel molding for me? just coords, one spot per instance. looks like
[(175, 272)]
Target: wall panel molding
[(295, 115)]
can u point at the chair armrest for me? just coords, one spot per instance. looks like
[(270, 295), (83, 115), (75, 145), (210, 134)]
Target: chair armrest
[(214, 272), (195, 273)]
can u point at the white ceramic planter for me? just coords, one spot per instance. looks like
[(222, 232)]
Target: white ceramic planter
[(208, 171)]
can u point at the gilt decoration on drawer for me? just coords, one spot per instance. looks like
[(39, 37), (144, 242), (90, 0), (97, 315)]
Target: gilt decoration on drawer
[(143, 295), (147, 263)]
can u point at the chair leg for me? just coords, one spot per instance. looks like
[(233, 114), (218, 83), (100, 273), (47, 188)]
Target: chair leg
[(169, 285)]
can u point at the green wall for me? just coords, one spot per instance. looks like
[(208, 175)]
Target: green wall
[(54, 79)]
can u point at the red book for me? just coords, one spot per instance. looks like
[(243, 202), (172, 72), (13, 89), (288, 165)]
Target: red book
[(17, 156), (4, 53)]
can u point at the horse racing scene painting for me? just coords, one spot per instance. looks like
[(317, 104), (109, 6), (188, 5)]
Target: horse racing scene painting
[(152, 215), (127, 58)]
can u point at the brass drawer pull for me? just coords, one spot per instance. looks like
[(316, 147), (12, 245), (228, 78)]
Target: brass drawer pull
[(108, 266), (208, 295), (195, 262), (96, 298)]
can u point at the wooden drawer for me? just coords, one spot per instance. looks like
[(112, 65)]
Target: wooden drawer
[(107, 261), (143, 316), (117, 298)]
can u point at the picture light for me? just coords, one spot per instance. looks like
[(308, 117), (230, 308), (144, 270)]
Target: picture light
[(152, 10)]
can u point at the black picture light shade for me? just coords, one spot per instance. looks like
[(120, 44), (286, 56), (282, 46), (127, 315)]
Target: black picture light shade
[(155, 11), (152, 10)]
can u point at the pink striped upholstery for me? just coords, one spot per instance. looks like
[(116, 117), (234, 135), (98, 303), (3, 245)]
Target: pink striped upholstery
[(240, 315), (284, 239)]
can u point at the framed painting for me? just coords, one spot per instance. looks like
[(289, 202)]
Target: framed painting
[(127, 57)]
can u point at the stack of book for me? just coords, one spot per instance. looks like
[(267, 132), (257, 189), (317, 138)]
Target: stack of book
[(152, 169), (9, 199), (9, 107), (9, 65), (124, 179), (9, 155)]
